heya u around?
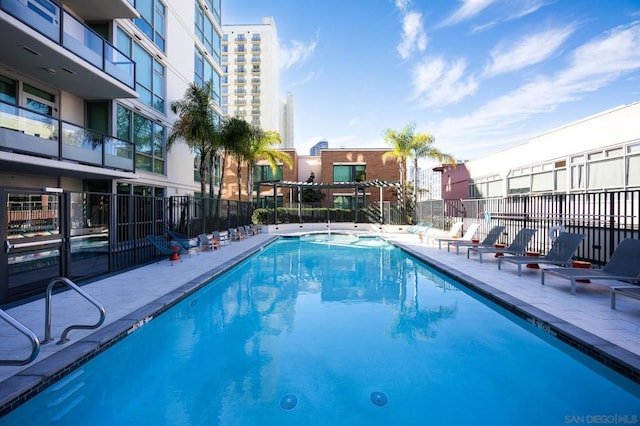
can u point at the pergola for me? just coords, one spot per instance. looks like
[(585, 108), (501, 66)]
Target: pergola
[(300, 186)]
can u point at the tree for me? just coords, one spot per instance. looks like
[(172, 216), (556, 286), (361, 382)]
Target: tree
[(401, 145), (195, 125), (406, 144), (261, 147), (234, 136)]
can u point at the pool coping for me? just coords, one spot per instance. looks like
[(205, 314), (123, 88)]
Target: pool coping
[(27, 383), (601, 350), (24, 385)]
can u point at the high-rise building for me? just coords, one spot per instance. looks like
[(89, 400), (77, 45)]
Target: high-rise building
[(250, 85), (86, 89), (286, 122), (315, 150)]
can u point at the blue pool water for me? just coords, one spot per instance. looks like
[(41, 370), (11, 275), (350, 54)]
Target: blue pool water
[(335, 333)]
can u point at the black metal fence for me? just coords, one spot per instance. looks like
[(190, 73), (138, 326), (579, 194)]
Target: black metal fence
[(139, 216), (605, 218)]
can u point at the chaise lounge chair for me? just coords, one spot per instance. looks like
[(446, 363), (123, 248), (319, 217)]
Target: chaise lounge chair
[(207, 242), (560, 253), (165, 247), (489, 241), (431, 233), (517, 247), (624, 265), (185, 242), (420, 226), (468, 235)]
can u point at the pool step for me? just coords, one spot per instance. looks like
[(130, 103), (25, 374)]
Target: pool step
[(68, 394)]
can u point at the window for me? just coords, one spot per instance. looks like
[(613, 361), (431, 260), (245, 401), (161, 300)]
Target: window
[(151, 20), (150, 74), (347, 202), (8, 90), (206, 33), (148, 137), (264, 173), (349, 173)]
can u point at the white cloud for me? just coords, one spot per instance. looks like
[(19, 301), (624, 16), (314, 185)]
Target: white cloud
[(296, 52), (414, 36), (468, 10), (527, 51), (592, 66), (437, 82)]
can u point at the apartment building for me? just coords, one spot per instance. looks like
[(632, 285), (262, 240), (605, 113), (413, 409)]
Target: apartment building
[(85, 94), (287, 122), (250, 85)]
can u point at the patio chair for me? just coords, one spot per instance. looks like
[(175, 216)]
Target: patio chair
[(517, 247), (431, 233), (624, 265), (468, 235), (489, 241), (165, 247), (187, 243), (207, 242), (235, 234), (222, 237), (420, 226), (560, 253)]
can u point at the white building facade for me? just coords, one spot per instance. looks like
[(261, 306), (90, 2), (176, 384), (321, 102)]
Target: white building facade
[(250, 85), (286, 122), (86, 89)]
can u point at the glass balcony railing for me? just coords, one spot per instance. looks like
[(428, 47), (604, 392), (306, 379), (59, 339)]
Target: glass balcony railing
[(47, 18), (25, 131)]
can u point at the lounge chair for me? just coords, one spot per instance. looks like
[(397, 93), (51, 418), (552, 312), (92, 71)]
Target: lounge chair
[(187, 243), (222, 237), (420, 226), (166, 247), (632, 291), (489, 241), (207, 242), (468, 235), (560, 253), (517, 247), (436, 233), (235, 234), (624, 265)]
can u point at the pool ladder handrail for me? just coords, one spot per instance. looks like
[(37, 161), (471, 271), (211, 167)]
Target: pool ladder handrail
[(23, 329), (47, 313)]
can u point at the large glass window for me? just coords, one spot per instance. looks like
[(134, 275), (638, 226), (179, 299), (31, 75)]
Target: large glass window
[(149, 78), (151, 20), (8, 90), (264, 173), (148, 137), (150, 74), (349, 173)]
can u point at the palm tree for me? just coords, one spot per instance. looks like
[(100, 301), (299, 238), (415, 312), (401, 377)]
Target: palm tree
[(422, 147), (261, 147), (401, 145), (234, 137), (196, 125)]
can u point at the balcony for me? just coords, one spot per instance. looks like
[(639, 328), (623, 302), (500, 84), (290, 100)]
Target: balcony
[(100, 10), (26, 132), (50, 45)]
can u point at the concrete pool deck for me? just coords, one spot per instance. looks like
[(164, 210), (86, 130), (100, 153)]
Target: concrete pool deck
[(131, 297)]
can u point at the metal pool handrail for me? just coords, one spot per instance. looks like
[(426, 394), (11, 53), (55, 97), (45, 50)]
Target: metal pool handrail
[(35, 343), (47, 325)]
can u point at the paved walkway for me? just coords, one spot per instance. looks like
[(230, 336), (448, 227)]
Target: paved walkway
[(129, 297)]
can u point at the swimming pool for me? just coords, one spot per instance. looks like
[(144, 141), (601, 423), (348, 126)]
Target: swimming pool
[(335, 332)]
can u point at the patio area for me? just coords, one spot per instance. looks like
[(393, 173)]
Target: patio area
[(133, 297)]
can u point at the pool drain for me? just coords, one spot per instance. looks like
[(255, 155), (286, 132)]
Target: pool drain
[(288, 402), (379, 399)]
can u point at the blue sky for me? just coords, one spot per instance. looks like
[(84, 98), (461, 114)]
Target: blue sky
[(479, 75)]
